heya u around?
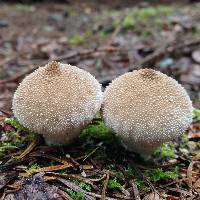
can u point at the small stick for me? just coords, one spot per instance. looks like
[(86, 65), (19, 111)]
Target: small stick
[(27, 150), (103, 195), (136, 191)]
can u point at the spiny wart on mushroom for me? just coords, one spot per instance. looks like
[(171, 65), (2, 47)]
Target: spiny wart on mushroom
[(146, 108), (57, 101)]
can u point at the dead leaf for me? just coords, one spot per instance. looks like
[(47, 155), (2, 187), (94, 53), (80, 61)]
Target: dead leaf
[(152, 196), (189, 174), (194, 131), (197, 185), (197, 157)]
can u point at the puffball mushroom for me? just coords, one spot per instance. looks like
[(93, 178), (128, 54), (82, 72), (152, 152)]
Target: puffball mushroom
[(57, 101), (146, 108)]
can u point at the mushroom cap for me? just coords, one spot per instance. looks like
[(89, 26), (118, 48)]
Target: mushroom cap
[(146, 108), (57, 101)]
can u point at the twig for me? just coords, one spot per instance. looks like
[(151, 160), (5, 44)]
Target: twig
[(74, 177), (189, 174), (87, 195), (47, 169), (141, 176), (27, 150), (7, 113), (13, 164), (18, 76), (115, 33), (49, 157), (184, 192), (92, 152), (64, 194), (135, 190), (64, 57), (103, 195), (167, 49)]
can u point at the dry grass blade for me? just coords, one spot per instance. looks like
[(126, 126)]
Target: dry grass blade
[(135, 190), (74, 187), (74, 177), (12, 164), (48, 169), (197, 157), (27, 150), (49, 157), (189, 174), (64, 195), (103, 195), (69, 57), (92, 152)]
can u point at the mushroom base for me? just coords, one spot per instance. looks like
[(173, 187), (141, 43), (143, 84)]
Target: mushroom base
[(143, 148), (63, 138)]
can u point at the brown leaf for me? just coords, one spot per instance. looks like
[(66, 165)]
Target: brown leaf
[(197, 185), (197, 157), (194, 131), (152, 196)]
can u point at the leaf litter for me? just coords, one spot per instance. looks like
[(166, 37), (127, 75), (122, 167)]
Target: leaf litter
[(112, 42)]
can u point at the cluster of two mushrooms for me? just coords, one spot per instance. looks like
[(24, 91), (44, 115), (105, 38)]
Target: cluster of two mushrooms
[(145, 108)]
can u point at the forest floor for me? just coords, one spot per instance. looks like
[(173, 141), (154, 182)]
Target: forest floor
[(106, 40)]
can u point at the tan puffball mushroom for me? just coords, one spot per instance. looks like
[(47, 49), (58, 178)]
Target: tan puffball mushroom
[(57, 101), (146, 108)]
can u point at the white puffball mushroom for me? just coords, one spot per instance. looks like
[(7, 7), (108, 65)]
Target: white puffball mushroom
[(146, 108), (57, 101)]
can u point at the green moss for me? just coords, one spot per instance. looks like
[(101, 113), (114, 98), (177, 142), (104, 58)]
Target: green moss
[(113, 184), (77, 39), (196, 114), (196, 32), (140, 184), (75, 195), (5, 147), (83, 185), (128, 22), (130, 171), (166, 151), (24, 7), (119, 175), (15, 139), (158, 174), (184, 140), (15, 123), (33, 168), (146, 34), (136, 16), (153, 11), (97, 130)]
